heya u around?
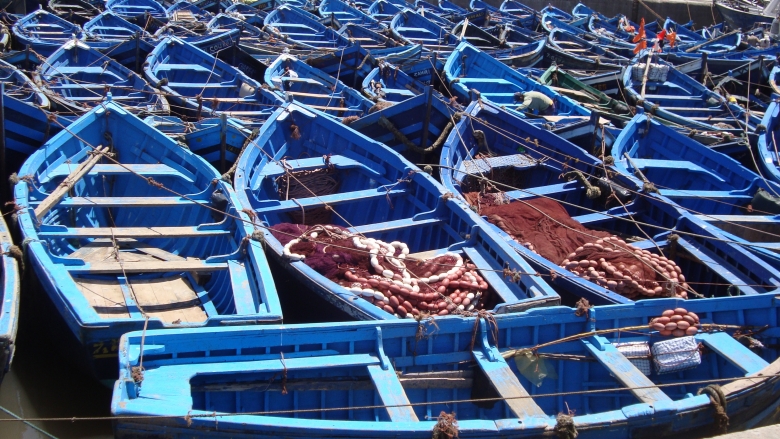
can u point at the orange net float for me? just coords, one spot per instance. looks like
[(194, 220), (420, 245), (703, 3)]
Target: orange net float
[(676, 322)]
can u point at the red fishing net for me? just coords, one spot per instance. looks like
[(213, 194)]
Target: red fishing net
[(380, 272), (544, 226)]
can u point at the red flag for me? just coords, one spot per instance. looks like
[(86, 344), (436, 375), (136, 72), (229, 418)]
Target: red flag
[(642, 45), (641, 34), (661, 35)]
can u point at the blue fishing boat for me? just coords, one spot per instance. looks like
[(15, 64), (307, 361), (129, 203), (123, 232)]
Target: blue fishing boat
[(416, 379), (562, 15), (218, 140), (337, 14), (9, 297), (293, 78), (511, 34), (661, 89), (249, 13), (392, 84), (416, 127), (113, 29), (478, 37), (347, 185), (368, 38), (740, 14), (517, 9), (76, 78), (296, 26), (537, 189), (732, 199), (735, 64), (498, 16), (352, 64), (472, 73), (413, 28), (616, 35), (74, 11), (189, 15), (140, 12), (769, 158), (227, 21), (129, 231), (27, 122), (689, 40), (572, 52), (580, 10), (45, 32), (384, 10), (199, 85), (131, 53)]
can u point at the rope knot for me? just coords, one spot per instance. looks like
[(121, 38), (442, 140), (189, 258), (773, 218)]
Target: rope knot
[(446, 426), (719, 404), (564, 426)]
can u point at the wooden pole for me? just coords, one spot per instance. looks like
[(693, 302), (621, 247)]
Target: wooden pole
[(69, 182), (644, 76)]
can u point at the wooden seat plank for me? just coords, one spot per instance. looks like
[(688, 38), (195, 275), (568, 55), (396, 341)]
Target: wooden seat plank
[(127, 201), (625, 371), (392, 394), (130, 232), (114, 267), (506, 383), (733, 351)]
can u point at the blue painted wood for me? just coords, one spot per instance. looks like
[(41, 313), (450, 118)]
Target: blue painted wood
[(735, 352), (136, 10), (338, 14), (469, 68), (718, 261), (413, 28), (27, 125), (684, 101), (168, 236), (112, 28), (45, 32), (625, 371), (77, 77), (10, 293), (186, 72), (572, 52), (696, 178), (392, 394), (289, 76), (234, 372), (297, 26), (366, 185), (74, 11)]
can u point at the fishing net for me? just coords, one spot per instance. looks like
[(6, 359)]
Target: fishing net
[(543, 226), (381, 274), (306, 184)]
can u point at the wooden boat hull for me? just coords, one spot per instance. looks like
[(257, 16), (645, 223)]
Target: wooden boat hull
[(739, 19), (468, 68), (77, 77), (44, 32), (360, 206), (192, 408), (184, 71), (9, 298), (710, 185), (81, 279), (514, 168)]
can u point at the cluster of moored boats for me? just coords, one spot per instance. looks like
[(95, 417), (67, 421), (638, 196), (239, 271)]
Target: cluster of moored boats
[(541, 222)]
